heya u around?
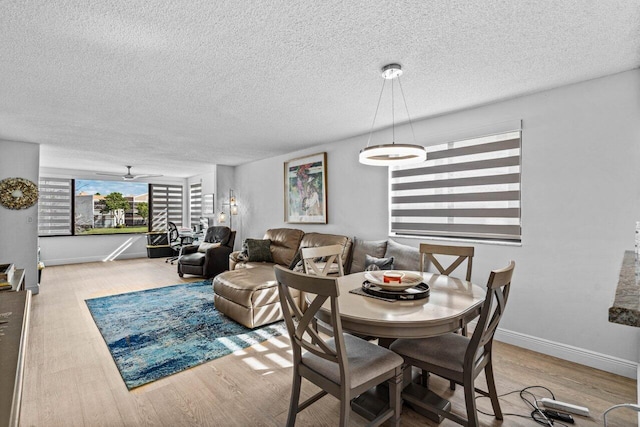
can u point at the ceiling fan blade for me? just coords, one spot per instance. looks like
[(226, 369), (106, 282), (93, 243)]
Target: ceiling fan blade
[(128, 176), (108, 174), (147, 176)]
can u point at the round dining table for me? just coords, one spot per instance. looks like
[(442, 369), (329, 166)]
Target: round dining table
[(451, 304)]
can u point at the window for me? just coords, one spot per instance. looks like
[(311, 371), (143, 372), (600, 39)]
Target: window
[(110, 207), (55, 208), (195, 203), (68, 207), (166, 206), (465, 189)]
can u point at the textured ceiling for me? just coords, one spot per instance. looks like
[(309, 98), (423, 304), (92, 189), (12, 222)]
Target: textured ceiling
[(174, 86)]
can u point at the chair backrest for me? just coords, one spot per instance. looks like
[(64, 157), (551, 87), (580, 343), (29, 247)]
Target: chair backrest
[(429, 251), (300, 320), (218, 233), (493, 308), (172, 231), (330, 255)]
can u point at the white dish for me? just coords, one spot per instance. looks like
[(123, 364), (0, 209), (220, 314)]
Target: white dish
[(409, 280)]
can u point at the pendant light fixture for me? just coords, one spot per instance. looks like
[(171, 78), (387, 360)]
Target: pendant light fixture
[(392, 154)]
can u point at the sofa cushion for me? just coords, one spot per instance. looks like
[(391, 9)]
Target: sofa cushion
[(284, 244), (405, 257), (375, 248), (259, 250), (381, 263)]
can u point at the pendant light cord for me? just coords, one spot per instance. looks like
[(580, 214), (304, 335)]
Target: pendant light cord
[(376, 114), (407, 109), (393, 115)]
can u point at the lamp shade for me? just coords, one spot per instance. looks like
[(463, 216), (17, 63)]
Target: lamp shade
[(392, 154)]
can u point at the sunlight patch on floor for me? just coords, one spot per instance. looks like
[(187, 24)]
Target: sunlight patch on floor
[(279, 360), (255, 364)]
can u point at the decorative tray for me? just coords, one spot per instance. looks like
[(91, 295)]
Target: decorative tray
[(418, 291), (408, 279)]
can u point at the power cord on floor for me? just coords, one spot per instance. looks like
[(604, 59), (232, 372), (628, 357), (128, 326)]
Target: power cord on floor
[(531, 400)]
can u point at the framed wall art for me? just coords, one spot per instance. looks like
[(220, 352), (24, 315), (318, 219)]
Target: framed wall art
[(305, 189)]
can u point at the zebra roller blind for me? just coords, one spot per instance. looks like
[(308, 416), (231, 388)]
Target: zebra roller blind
[(55, 207), (468, 189), (195, 203), (166, 206)]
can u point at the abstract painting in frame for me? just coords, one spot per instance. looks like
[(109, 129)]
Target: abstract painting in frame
[(305, 189)]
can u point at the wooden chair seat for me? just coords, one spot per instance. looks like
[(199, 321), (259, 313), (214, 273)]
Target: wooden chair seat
[(366, 361), (445, 351)]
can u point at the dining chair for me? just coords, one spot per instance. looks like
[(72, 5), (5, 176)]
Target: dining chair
[(344, 366), (429, 251), (331, 260), (460, 358), (434, 253)]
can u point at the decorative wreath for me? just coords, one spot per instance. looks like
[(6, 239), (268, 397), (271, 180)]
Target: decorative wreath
[(18, 193)]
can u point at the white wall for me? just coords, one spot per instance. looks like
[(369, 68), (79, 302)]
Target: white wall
[(19, 241), (580, 201)]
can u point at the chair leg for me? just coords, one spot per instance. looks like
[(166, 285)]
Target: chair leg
[(470, 401), (395, 399), (424, 379), (295, 399), (345, 408), (493, 394)]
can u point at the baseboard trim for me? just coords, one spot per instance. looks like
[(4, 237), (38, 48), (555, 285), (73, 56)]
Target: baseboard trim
[(615, 365), (64, 261)]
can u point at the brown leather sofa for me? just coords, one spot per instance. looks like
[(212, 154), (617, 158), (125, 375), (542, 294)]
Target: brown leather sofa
[(248, 292), (210, 261)]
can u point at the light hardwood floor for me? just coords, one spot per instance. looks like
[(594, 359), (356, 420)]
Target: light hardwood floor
[(71, 379)]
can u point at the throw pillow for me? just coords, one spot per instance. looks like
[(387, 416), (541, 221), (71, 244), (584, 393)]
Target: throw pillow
[(406, 257), (244, 252), (259, 250), (205, 246), (382, 263), (375, 248)]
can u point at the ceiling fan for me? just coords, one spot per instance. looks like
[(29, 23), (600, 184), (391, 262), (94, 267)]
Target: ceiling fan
[(128, 176)]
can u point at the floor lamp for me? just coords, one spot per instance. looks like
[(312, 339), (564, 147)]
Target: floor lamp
[(233, 210)]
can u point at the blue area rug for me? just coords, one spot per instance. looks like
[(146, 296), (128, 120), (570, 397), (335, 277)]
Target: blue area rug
[(157, 332)]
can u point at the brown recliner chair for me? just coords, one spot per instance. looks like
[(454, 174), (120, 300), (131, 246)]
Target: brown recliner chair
[(205, 259)]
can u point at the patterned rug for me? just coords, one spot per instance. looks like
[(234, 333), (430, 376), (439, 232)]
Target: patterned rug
[(157, 332)]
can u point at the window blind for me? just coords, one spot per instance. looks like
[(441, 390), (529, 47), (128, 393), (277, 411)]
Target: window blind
[(468, 189), (166, 206), (55, 207), (195, 203)]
